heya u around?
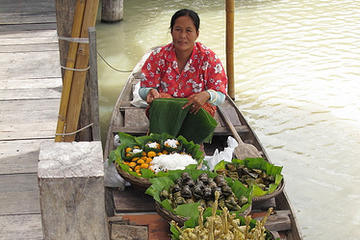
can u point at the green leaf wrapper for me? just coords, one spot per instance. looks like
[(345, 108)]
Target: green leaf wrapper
[(167, 116)]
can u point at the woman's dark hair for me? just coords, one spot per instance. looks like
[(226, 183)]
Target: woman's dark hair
[(186, 12)]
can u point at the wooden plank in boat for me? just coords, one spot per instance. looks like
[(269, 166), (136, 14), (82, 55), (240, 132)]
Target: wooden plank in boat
[(19, 156), (24, 227), (279, 221), (19, 194), (158, 228), (136, 118), (132, 200)]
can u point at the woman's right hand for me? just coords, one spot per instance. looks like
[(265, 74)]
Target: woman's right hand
[(152, 94)]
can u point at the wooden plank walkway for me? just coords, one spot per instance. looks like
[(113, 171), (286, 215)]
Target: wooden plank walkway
[(30, 91)]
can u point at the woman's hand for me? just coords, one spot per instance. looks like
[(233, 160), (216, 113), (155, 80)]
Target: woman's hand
[(196, 101), (152, 94)]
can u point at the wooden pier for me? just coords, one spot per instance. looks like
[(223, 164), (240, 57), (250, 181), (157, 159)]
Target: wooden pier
[(30, 91)]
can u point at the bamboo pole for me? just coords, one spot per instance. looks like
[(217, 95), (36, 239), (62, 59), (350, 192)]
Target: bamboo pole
[(70, 62), (230, 5), (82, 61)]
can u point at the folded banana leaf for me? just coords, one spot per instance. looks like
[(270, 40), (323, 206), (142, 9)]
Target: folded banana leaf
[(167, 116)]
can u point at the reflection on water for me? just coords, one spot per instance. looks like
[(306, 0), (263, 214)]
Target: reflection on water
[(297, 81)]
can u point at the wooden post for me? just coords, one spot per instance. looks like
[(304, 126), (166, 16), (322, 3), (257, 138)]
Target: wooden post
[(230, 47), (93, 83), (112, 11), (71, 184)]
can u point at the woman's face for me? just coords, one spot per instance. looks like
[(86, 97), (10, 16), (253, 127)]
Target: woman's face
[(184, 34)]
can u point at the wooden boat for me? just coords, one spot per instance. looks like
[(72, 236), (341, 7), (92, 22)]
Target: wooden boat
[(134, 208)]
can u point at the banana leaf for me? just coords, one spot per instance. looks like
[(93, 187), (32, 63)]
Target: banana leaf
[(126, 140), (167, 116), (258, 163), (159, 184)]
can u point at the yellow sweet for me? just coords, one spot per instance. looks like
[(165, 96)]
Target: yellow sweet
[(132, 164), (151, 154)]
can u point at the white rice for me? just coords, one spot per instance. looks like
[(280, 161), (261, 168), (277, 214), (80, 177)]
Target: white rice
[(171, 143), (136, 150), (172, 161), (152, 145)]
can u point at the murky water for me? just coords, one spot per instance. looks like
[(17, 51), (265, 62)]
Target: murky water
[(297, 83)]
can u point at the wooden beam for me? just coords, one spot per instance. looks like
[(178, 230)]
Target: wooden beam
[(93, 87), (230, 46)]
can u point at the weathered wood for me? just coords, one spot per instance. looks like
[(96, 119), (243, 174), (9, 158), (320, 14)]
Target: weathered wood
[(25, 94), (128, 232), (19, 156), (279, 221), (64, 18), (264, 205), (79, 77), (5, 29), (93, 85), (39, 47), (19, 194), (132, 200), (158, 227), (71, 183), (21, 227), (112, 10), (28, 119), (43, 83), (23, 12), (28, 37), (26, 65)]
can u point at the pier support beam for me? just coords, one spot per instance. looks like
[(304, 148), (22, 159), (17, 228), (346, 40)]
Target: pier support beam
[(112, 11), (72, 198)]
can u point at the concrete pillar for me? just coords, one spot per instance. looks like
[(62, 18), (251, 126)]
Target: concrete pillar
[(71, 182), (112, 10)]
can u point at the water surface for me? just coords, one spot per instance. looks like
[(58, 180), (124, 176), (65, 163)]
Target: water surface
[(297, 82)]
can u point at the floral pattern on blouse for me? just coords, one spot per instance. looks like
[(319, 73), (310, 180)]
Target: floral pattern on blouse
[(203, 71)]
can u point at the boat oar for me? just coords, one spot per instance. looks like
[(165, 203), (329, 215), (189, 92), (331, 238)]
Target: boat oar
[(243, 150)]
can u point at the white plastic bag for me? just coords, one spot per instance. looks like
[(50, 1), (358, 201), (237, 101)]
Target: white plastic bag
[(137, 100), (225, 155), (112, 177)]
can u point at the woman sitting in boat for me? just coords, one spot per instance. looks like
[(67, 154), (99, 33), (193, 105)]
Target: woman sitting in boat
[(185, 68)]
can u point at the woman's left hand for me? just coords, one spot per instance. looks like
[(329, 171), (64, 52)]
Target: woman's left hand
[(196, 101)]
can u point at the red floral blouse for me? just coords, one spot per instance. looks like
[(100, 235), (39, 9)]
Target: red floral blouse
[(203, 71)]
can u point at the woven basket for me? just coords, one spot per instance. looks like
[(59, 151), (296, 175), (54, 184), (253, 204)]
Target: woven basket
[(180, 220), (278, 190), (139, 182)]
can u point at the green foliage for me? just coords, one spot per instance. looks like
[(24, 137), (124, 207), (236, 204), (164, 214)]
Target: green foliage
[(167, 116), (119, 155), (258, 163)]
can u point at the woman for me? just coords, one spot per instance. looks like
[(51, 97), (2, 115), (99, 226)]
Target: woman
[(185, 68)]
